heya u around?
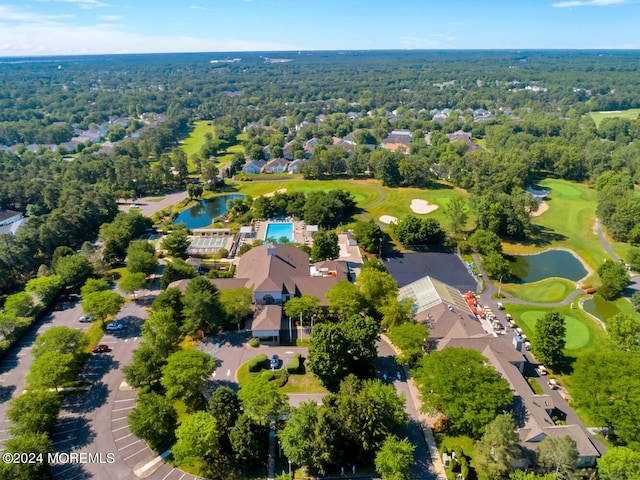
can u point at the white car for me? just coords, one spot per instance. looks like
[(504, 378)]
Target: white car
[(114, 326)]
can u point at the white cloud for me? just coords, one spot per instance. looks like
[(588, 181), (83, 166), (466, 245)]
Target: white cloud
[(64, 39), (86, 4), (588, 3), (197, 7), (11, 14)]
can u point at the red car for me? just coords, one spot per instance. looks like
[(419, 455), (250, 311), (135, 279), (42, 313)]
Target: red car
[(100, 348)]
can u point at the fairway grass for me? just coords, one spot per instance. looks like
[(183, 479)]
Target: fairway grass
[(631, 114), (567, 224), (194, 142), (551, 290), (584, 334)]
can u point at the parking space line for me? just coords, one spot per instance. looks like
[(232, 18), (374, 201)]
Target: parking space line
[(126, 400), (127, 446), (122, 438), (65, 470), (167, 475), (122, 409), (119, 418), (121, 428), (134, 454)]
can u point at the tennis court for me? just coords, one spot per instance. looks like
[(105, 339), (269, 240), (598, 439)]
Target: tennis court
[(209, 244)]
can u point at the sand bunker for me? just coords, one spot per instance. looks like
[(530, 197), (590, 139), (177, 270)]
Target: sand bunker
[(422, 206), (388, 219), (271, 194), (543, 207)]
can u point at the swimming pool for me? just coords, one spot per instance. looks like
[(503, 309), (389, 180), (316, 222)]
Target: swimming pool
[(275, 231)]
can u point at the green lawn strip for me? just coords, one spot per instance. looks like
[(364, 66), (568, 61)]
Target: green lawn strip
[(567, 224), (599, 116), (194, 142), (550, 290), (621, 251), (584, 334), (94, 334), (305, 383)]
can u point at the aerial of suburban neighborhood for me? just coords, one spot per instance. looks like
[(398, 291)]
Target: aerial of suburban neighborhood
[(390, 264)]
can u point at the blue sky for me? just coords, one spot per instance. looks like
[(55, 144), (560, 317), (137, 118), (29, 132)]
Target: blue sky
[(46, 27)]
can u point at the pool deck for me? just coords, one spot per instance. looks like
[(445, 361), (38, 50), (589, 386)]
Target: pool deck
[(299, 234)]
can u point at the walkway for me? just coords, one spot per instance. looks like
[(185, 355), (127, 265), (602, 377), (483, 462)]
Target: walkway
[(383, 197)]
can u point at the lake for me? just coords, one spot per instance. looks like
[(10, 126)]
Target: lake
[(552, 263), (202, 213)]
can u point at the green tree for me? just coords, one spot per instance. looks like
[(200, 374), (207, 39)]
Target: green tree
[(36, 443), (456, 213), (141, 257), (624, 332), (496, 266), (53, 370), (225, 406), (133, 282), (197, 439), (162, 332), (62, 340), (298, 437), (395, 312), (460, 383), (498, 447), (170, 299), (73, 270), (8, 325), (345, 299), (177, 242), (185, 374), (414, 231), (202, 309), (102, 304), (44, 289), (620, 463), (303, 307), (178, 269), (376, 287), (558, 455), (395, 459), (263, 400), (236, 305), (93, 285), (635, 300), (369, 235), (153, 419), (145, 367), (614, 278), (19, 304), (325, 246), (34, 412), (247, 441), (549, 340), (485, 242), (633, 257), (411, 339)]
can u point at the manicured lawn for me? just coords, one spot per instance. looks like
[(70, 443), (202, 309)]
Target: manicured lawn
[(306, 383), (551, 290), (583, 333), (567, 224), (599, 116), (604, 310), (193, 143)]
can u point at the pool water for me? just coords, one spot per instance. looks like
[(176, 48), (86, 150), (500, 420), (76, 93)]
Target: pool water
[(552, 263), (202, 213), (275, 231)]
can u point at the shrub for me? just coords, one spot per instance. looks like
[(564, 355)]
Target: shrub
[(442, 424), (254, 342), (280, 378), (258, 363), (295, 366)]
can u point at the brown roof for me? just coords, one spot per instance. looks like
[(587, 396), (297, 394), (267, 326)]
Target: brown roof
[(6, 214), (316, 286), (341, 268), (267, 318), (268, 273)]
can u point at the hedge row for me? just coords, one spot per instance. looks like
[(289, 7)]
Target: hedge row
[(278, 377), (295, 366), (258, 363)]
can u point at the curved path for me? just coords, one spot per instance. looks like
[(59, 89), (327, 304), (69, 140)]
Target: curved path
[(603, 241), (383, 197)]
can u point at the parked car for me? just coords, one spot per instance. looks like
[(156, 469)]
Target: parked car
[(59, 307), (85, 319), (275, 361), (114, 326), (100, 348)]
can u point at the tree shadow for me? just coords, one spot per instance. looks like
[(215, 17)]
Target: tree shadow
[(542, 236), (89, 401), (79, 435), (565, 365), (6, 391)]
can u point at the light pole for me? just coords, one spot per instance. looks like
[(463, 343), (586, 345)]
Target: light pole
[(500, 288), (279, 449), (289, 467)]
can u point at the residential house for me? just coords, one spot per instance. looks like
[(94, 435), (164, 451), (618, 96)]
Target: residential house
[(277, 165), (398, 140), (253, 167), (10, 221), (296, 165)]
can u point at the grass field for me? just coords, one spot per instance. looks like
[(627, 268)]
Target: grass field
[(193, 143), (604, 310), (305, 383), (599, 116), (584, 334), (551, 290), (567, 224)]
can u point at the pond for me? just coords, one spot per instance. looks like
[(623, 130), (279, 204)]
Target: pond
[(552, 263), (202, 213), (599, 307)]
